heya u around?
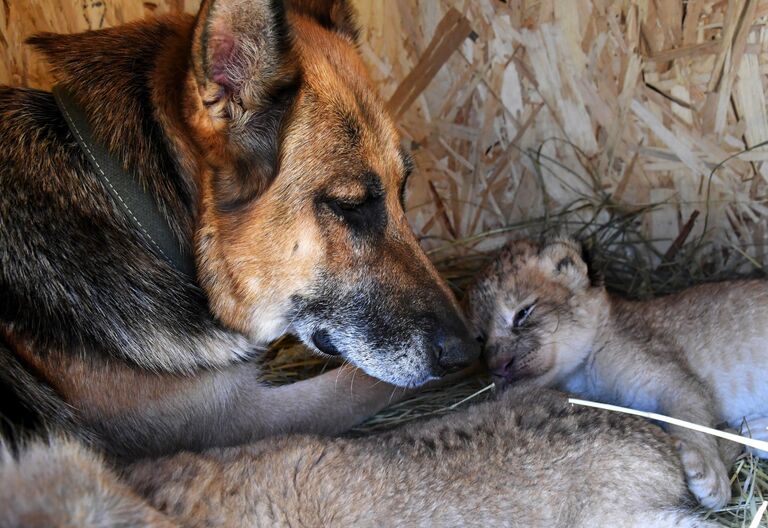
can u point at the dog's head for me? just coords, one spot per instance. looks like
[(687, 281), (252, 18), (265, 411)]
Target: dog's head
[(302, 226), (536, 310)]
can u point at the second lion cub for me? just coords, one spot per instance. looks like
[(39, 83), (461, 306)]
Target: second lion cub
[(700, 355)]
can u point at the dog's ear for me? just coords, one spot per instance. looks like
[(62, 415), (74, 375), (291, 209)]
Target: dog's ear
[(337, 15), (247, 77), (562, 258), (243, 48)]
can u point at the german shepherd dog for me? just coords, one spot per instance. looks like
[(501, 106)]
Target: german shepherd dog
[(257, 131)]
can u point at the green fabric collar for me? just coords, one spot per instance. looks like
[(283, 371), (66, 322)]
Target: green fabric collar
[(138, 205)]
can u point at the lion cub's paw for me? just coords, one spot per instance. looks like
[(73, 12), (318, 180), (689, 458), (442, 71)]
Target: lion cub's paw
[(707, 476)]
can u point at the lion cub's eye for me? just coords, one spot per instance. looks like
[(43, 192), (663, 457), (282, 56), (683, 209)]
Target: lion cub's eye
[(522, 316)]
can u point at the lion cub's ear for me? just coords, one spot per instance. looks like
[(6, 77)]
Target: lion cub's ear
[(562, 258)]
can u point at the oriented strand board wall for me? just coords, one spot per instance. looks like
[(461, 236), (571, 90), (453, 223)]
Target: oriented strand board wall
[(21, 18), (547, 101), (551, 101)]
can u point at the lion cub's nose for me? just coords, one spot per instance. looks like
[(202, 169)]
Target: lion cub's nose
[(454, 352), (502, 368)]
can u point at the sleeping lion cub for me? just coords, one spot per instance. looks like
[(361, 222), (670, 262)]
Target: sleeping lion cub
[(700, 355)]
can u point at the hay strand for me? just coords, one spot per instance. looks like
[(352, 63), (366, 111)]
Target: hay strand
[(751, 442)]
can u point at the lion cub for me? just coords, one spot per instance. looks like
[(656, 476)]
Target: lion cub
[(700, 355), (527, 459)]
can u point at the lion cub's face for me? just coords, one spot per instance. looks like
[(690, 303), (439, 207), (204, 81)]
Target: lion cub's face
[(534, 308)]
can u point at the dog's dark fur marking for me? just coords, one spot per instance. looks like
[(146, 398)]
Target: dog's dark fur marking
[(331, 14), (203, 18), (113, 86), (27, 403), (66, 283), (351, 128), (408, 166)]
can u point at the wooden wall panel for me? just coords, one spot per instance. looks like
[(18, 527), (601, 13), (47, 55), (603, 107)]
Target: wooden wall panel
[(20, 19)]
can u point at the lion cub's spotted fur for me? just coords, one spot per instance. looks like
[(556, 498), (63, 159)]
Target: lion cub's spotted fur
[(700, 355), (524, 460)]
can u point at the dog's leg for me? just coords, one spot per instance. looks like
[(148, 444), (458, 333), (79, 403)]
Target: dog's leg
[(329, 403), (326, 404), (233, 407), (135, 412)]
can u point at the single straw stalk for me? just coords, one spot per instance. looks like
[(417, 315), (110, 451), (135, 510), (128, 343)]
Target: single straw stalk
[(751, 442)]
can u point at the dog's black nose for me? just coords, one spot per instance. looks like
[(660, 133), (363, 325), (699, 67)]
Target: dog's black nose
[(322, 340), (454, 352)]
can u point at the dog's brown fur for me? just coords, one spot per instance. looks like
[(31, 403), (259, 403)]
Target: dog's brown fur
[(255, 127)]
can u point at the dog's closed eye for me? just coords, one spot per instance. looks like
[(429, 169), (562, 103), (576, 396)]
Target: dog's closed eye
[(363, 214), (353, 211)]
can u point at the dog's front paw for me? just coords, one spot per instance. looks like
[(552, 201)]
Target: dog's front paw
[(707, 476)]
